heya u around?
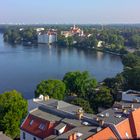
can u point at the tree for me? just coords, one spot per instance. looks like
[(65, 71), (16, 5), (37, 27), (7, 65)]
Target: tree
[(69, 41), (13, 108), (82, 103), (53, 88), (130, 60), (132, 78), (136, 40), (102, 98), (79, 83)]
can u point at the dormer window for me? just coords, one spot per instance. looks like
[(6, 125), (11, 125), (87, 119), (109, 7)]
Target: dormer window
[(42, 126), (31, 122)]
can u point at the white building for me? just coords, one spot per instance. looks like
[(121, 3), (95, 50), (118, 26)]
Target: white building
[(40, 29), (100, 44), (47, 38), (43, 38), (131, 96)]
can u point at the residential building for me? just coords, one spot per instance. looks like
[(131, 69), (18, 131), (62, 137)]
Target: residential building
[(73, 31), (131, 95), (52, 119), (47, 37)]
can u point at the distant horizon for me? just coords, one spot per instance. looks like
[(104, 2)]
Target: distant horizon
[(70, 12), (69, 23)]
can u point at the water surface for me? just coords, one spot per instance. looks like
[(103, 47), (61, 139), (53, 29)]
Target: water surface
[(23, 67)]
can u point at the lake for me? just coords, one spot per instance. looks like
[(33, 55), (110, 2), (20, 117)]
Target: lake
[(23, 67)]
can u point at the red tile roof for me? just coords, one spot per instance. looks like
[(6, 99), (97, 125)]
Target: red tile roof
[(124, 129), (105, 134), (34, 127), (135, 123)]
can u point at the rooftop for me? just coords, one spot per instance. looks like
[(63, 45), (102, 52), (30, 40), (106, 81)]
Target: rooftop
[(4, 137), (43, 114), (120, 121)]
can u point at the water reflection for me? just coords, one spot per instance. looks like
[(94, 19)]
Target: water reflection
[(23, 67)]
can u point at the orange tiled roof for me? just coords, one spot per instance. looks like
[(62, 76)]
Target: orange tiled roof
[(34, 127), (135, 123), (105, 134), (124, 129)]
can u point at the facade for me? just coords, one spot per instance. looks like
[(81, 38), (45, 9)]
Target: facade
[(43, 38), (73, 31), (52, 119), (47, 37), (131, 95)]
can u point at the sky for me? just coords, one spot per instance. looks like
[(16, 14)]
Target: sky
[(69, 11)]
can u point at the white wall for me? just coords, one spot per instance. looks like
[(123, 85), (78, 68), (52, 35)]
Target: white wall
[(43, 38), (52, 38), (127, 97), (27, 136)]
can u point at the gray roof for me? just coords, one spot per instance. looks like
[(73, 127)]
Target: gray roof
[(72, 122), (43, 114), (86, 131), (59, 126), (61, 105), (116, 115)]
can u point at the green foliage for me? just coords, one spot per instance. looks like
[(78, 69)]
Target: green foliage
[(82, 103), (69, 41), (130, 60), (102, 98), (53, 88), (132, 78), (79, 83), (13, 109), (16, 36), (136, 40)]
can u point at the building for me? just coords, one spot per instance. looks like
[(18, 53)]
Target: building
[(131, 95), (47, 37), (52, 119), (73, 31), (39, 29)]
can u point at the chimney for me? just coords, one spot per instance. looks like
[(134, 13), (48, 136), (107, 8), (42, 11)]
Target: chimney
[(124, 111), (72, 137), (101, 122), (97, 119), (46, 98), (80, 113), (132, 106)]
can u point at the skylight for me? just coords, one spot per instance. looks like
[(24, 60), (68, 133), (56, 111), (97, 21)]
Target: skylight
[(31, 122), (41, 126)]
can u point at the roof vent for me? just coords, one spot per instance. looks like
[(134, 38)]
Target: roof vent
[(85, 123), (136, 100), (97, 119), (118, 116), (101, 115), (80, 113), (107, 114), (98, 129), (78, 134), (115, 108), (101, 122)]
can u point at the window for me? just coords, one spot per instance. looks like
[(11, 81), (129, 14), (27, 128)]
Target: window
[(24, 136), (42, 126), (31, 122), (34, 138)]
